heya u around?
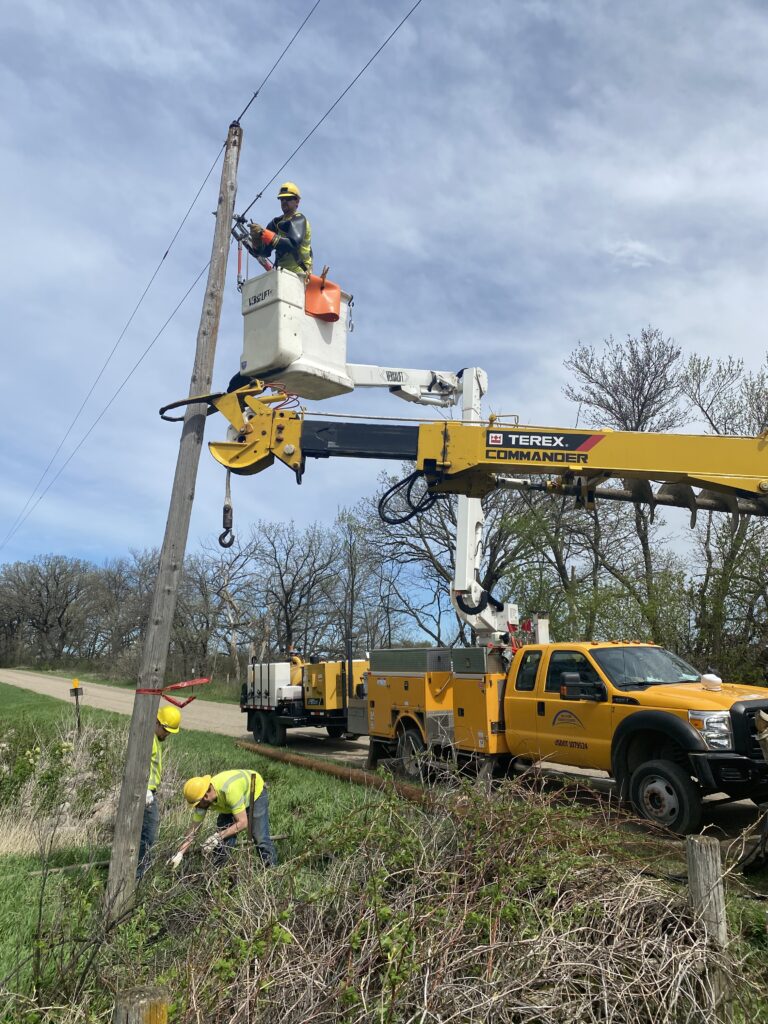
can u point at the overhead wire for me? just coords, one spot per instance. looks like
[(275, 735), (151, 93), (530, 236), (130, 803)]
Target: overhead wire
[(21, 517), (27, 510), (95, 423), (107, 361), (335, 103), (269, 73)]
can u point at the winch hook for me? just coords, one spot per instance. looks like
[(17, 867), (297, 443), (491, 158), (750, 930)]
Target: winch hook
[(227, 538)]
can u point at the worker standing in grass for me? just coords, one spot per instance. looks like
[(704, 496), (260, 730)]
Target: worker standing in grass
[(240, 797), (167, 724), (289, 235)]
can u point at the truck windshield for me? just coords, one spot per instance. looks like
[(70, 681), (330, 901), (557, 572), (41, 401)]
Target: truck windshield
[(632, 667)]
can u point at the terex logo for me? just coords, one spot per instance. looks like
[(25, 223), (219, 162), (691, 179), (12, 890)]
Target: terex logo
[(542, 439), (534, 440)]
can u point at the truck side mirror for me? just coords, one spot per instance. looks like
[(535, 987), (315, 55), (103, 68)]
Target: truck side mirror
[(572, 687)]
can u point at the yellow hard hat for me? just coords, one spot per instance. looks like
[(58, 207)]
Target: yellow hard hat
[(289, 190), (195, 789), (169, 718)]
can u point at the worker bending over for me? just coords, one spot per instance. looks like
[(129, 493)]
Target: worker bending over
[(240, 797), (167, 724), (289, 235)]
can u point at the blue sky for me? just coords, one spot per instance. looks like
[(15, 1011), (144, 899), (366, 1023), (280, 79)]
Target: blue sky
[(506, 180)]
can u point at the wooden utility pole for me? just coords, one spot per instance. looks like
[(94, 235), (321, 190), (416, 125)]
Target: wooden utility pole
[(122, 869)]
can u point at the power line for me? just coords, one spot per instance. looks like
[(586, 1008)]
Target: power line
[(287, 48), (95, 423), (21, 517), (336, 102), (100, 374)]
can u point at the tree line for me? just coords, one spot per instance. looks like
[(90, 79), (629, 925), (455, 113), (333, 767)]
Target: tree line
[(613, 572)]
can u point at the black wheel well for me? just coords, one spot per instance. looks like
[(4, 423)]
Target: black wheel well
[(407, 722), (650, 745)]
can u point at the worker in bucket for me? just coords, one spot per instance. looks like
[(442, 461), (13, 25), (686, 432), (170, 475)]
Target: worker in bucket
[(167, 724), (289, 235), (240, 797)]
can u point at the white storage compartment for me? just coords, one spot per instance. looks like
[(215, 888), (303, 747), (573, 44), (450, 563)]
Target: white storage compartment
[(268, 680), (282, 344), (293, 692)]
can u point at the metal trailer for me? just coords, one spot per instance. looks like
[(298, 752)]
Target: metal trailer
[(295, 694)]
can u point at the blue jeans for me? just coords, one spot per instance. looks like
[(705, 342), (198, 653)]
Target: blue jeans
[(258, 818), (149, 829)]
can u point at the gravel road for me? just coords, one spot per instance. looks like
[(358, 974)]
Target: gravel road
[(228, 720), (201, 715)]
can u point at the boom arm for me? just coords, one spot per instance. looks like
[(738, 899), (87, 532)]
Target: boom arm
[(470, 458)]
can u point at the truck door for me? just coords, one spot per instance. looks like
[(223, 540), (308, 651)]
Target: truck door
[(576, 732), (520, 718)]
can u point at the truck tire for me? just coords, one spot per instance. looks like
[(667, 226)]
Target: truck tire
[(275, 732), (376, 750), (259, 727), (663, 792), (336, 732), (410, 751)]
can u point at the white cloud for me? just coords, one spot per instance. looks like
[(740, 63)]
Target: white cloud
[(635, 254), (498, 186)]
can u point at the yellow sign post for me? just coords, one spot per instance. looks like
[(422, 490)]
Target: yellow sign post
[(75, 691)]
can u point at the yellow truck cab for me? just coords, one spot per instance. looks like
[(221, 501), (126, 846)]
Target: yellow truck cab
[(667, 735)]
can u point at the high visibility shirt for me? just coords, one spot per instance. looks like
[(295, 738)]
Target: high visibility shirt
[(233, 792), (155, 765), (293, 245)]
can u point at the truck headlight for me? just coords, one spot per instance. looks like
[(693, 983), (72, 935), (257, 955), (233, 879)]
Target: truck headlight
[(715, 728)]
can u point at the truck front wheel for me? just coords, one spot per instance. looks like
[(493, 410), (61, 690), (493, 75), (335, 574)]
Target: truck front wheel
[(663, 792)]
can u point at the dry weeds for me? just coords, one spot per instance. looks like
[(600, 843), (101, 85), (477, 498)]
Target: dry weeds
[(511, 911)]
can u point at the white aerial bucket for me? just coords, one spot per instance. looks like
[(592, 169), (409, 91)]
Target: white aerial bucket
[(284, 344)]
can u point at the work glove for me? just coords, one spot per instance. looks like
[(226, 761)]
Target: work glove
[(149, 798), (256, 230), (212, 843), (175, 860)]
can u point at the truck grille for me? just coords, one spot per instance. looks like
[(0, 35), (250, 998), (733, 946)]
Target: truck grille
[(743, 716)]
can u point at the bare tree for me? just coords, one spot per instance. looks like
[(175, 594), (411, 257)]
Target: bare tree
[(637, 386), (51, 594), (726, 396), (423, 549), (295, 568), (729, 591), (634, 385)]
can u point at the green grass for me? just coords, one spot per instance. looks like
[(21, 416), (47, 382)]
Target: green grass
[(409, 892), (218, 690), (301, 805)]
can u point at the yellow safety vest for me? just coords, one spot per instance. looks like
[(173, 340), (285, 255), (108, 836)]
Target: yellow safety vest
[(295, 228), (155, 765), (233, 792)]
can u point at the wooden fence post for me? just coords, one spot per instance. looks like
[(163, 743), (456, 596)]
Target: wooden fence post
[(141, 1006), (707, 899)]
